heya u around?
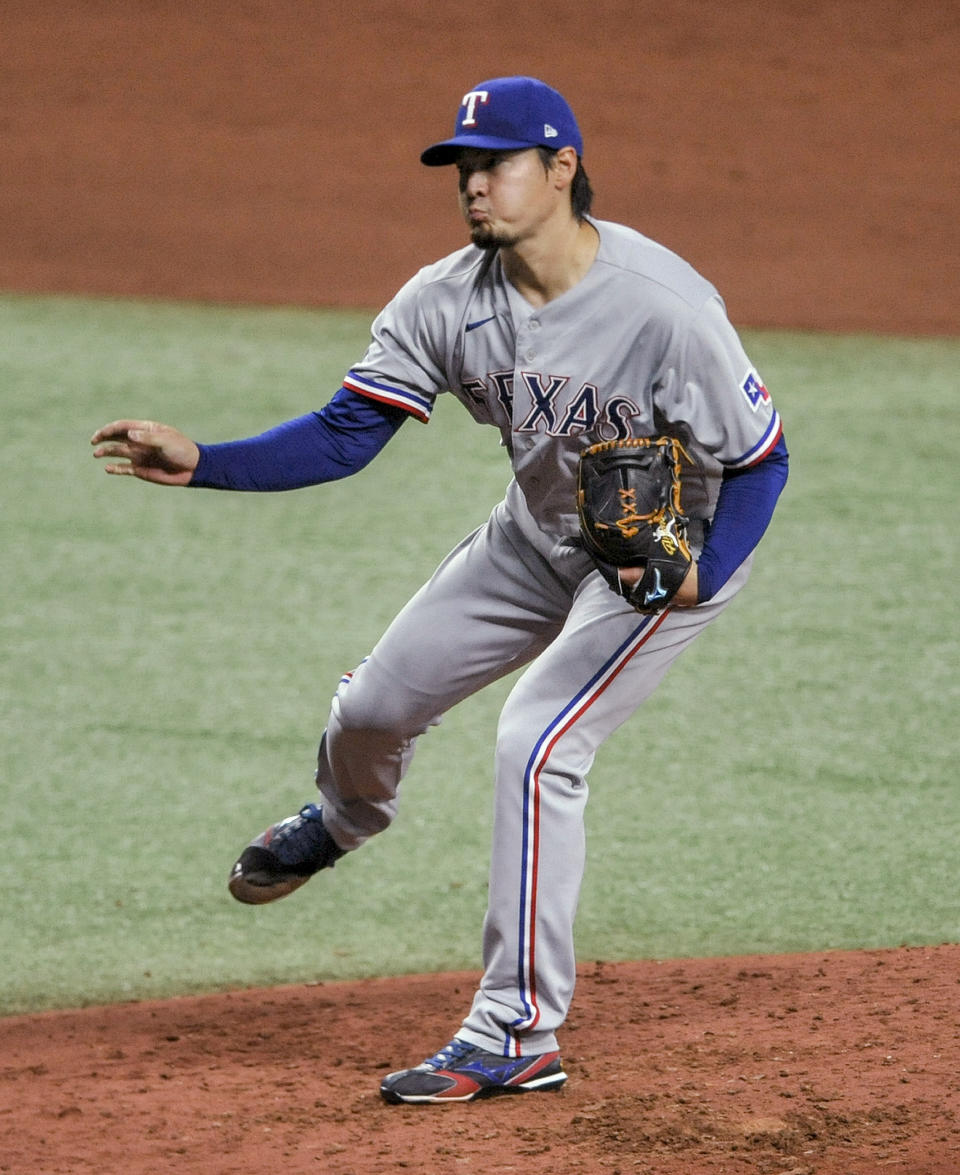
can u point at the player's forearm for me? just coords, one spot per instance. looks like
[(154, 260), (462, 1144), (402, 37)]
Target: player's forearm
[(744, 509), (321, 446)]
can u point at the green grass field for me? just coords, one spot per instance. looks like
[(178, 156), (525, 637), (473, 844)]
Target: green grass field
[(168, 658)]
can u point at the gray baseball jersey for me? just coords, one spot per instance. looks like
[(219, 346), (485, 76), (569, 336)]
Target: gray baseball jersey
[(640, 346)]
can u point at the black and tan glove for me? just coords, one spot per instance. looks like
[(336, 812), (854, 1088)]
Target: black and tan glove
[(628, 501)]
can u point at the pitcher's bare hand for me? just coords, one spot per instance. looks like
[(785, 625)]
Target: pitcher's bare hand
[(149, 450)]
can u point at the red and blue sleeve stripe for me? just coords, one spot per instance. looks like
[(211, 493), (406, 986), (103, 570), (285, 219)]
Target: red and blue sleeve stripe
[(415, 403), (763, 448)]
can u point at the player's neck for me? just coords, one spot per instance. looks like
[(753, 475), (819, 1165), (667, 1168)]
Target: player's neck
[(545, 266)]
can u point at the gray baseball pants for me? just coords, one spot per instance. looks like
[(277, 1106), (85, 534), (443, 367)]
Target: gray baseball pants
[(509, 595)]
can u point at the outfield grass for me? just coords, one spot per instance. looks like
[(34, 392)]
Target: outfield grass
[(168, 657)]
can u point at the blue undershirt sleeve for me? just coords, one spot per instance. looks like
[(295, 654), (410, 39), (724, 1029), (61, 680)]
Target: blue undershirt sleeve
[(335, 442), (744, 509)]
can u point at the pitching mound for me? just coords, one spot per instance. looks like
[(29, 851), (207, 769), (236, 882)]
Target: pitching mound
[(837, 1063)]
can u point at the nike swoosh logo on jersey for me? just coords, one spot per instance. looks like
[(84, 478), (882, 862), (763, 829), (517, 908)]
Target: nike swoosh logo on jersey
[(480, 322)]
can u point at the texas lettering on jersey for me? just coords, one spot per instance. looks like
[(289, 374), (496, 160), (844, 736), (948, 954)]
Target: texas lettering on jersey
[(641, 346), (550, 405)]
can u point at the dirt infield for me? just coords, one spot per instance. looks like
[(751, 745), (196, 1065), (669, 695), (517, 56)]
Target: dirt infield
[(806, 157), (822, 1064)]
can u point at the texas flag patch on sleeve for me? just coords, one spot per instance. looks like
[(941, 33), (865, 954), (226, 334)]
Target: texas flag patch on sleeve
[(752, 387)]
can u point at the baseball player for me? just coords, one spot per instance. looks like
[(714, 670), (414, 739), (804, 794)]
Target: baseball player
[(559, 331)]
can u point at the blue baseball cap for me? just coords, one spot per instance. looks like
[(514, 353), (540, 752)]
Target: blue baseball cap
[(508, 114)]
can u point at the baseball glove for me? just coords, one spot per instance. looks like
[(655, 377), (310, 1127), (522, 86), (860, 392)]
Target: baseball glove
[(628, 501)]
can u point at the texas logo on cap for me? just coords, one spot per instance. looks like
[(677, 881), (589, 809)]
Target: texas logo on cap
[(508, 114)]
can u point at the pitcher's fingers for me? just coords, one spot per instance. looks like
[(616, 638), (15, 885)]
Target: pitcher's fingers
[(120, 428), (114, 449)]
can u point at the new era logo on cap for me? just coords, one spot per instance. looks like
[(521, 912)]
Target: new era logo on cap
[(508, 114)]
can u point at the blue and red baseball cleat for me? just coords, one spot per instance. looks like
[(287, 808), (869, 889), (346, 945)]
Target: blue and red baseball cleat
[(462, 1072), (283, 858)]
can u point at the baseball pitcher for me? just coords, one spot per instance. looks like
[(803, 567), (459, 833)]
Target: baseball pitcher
[(647, 457)]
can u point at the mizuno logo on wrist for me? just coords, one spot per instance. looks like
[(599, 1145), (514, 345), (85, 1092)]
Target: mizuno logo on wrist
[(658, 591)]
